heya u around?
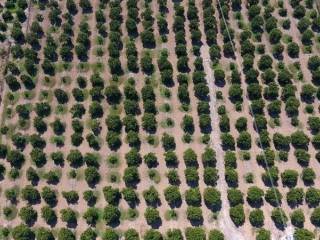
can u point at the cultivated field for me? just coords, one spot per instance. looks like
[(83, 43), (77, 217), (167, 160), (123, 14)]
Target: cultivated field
[(159, 119)]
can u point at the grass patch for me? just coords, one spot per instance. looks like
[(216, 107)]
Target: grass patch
[(61, 109), (171, 215), (12, 98), (97, 67), (52, 177), (130, 214), (307, 49), (10, 212), (244, 155), (286, 38), (83, 67), (185, 108), (317, 46), (24, 124), (57, 140), (213, 217), (205, 139), (115, 109), (11, 130), (9, 113), (46, 95), (4, 233), (29, 95), (153, 80), (249, 177), (113, 161), (309, 109), (295, 70), (152, 140), (100, 40), (165, 92), (187, 138), (63, 66), (154, 175), (66, 80), (274, 122), (49, 82), (166, 108), (167, 123), (99, 51), (114, 177)]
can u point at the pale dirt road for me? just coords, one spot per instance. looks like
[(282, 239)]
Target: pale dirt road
[(226, 225)]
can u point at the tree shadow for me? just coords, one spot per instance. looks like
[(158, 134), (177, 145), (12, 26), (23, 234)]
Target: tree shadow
[(133, 34), (193, 184), (206, 129), (35, 182), (114, 224), (176, 204), (53, 222), (257, 204), (134, 204), (157, 224), (268, 182), (35, 201), (31, 222), (197, 223), (232, 184), (72, 224), (154, 204), (215, 208), (280, 226)]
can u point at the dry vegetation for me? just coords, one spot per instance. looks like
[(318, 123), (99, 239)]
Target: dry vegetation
[(159, 119)]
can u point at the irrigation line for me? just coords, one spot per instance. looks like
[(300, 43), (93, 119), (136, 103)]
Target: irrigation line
[(254, 122), (317, 5), (28, 18)]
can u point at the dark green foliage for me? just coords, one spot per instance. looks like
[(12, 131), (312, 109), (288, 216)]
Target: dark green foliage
[(237, 215), (235, 197), (28, 215), (152, 235), (195, 233), (152, 216), (297, 218), (295, 196), (273, 196), (255, 196), (193, 197), (30, 194), (111, 195), (303, 234), (313, 197), (91, 216), (49, 215), (289, 177), (22, 232), (15, 158), (256, 218), (111, 214), (66, 234), (279, 217)]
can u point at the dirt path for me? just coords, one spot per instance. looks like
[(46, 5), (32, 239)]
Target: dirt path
[(224, 221), (226, 225)]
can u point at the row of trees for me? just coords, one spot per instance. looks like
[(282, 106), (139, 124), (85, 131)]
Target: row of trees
[(21, 232), (131, 25)]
